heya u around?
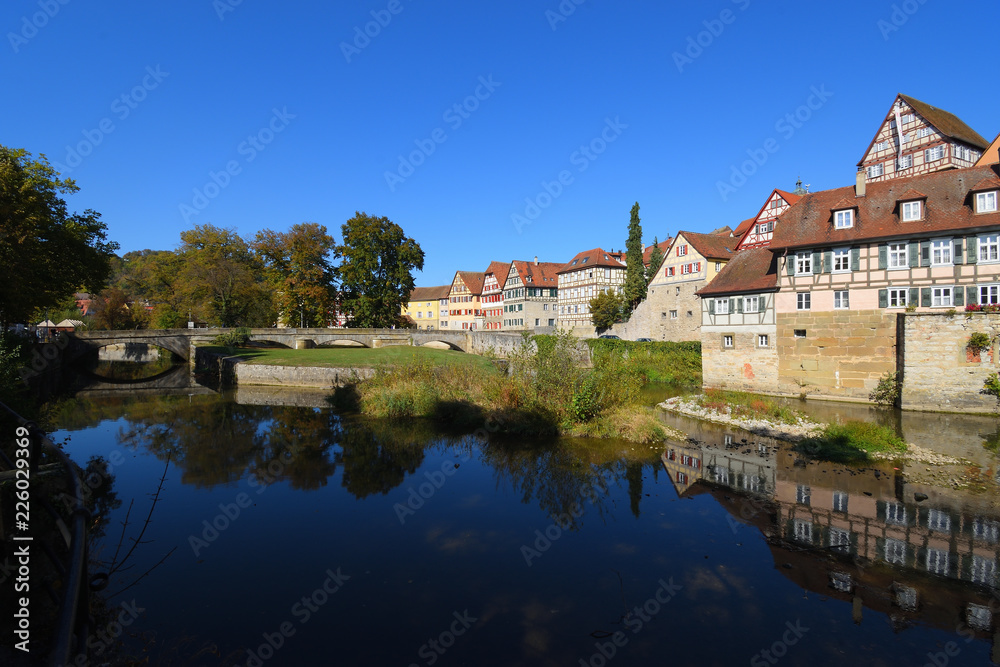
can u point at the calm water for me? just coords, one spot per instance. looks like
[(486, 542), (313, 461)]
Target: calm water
[(380, 544)]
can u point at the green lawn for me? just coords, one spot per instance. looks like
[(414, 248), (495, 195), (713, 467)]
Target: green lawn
[(354, 357)]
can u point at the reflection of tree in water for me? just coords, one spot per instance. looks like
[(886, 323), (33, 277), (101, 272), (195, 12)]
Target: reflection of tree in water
[(295, 447), (377, 455)]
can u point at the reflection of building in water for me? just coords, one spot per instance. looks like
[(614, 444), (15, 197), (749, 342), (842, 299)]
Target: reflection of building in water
[(860, 535)]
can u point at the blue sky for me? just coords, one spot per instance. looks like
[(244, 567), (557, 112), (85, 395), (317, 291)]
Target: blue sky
[(253, 115)]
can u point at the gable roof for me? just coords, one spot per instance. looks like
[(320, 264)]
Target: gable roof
[(648, 252), (949, 208), (991, 155), (742, 229), (430, 293), (751, 270), (595, 257), (711, 246), (500, 270), (473, 281), (538, 274)]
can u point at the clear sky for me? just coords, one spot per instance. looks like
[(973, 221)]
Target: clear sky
[(249, 114)]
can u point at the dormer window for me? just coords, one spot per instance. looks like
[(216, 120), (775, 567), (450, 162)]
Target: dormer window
[(986, 202), (843, 219), (912, 210)]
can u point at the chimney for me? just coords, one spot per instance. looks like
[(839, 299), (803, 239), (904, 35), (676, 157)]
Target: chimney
[(859, 189), (536, 260)]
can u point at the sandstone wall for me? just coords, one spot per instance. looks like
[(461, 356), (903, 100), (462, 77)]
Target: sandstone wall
[(652, 318), (746, 366)]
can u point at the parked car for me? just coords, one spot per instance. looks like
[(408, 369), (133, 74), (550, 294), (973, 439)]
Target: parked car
[(644, 340), (612, 336)]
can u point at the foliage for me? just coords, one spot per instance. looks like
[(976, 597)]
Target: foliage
[(112, 311), (376, 271), (635, 273), (747, 405), (678, 364), (299, 269), (978, 308), (238, 337), (45, 251), (607, 308), (655, 259), (852, 442), (991, 386), (14, 356), (887, 390), (979, 341)]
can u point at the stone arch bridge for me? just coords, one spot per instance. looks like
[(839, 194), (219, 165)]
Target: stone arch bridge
[(183, 341)]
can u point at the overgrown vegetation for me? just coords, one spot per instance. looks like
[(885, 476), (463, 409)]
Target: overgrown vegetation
[(672, 363), (979, 341), (887, 391), (991, 387), (238, 337), (745, 404), (852, 442)]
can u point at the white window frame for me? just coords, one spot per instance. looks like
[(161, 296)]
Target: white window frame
[(938, 520), (842, 260), (803, 301), (722, 306), (942, 252), (751, 304), (934, 154), (986, 530), (898, 256), (989, 248), (727, 341), (682, 250), (924, 132), (895, 551), (912, 210), (840, 501), (843, 219), (984, 570), (906, 161), (803, 263), (876, 170), (673, 314), (942, 297), (986, 202), (840, 540), (908, 118), (937, 561), (803, 494), (803, 531), (882, 145), (898, 297), (763, 341), (895, 513), (841, 299), (989, 295)]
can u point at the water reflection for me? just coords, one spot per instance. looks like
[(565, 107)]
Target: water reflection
[(868, 536)]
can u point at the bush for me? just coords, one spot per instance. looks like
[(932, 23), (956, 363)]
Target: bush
[(235, 338), (991, 387), (979, 341), (887, 390)]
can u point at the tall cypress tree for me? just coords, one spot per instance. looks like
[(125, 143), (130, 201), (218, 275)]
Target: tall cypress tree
[(635, 272)]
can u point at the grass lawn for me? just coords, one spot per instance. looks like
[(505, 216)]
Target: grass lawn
[(355, 357)]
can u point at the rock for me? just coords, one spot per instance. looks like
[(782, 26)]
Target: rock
[(920, 497)]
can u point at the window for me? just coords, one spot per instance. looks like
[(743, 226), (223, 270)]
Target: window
[(905, 161), (912, 210), (842, 260), (983, 529), (924, 132), (803, 301), (942, 297), (682, 478), (673, 314), (897, 297), (989, 295), (799, 333), (718, 266), (841, 300), (751, 304), (537, 320), (670, 271), (989, 248), (984, 570), (939, 521), (803, 531), (906, 597), (722, 306), (727, 341), (895, 551), (908, 118), (881, 146), (937, 561), (932, 154), (803, 263), (876, 170), (762, 340), (895, 513), (677, 291), (840, 501), (682, 250), (941, 252), (962, 153), (986, 202), (898, 257), (765, 227), (844, 219), (802, 493)]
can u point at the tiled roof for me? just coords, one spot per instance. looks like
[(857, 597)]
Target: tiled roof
[(500, 270), (723, 231), (947, 123), (789, 197), (742, 228), (711, 246), (949, 208), (430, 293), (648, 253), (541, 274), (752, 270), (595, 257), (991, 154), (474, 281), (912, 194)]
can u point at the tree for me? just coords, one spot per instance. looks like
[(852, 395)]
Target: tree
[(655, 259), (607, 308), (222, 279), (298, 267), (635, 272), (46, 253), (113, 311), (376, 272)]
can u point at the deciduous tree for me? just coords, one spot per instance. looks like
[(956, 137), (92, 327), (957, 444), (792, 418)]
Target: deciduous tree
[(300, 270), (606, 309)]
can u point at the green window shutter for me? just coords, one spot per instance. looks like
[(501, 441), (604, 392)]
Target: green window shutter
[(790, 265), (957, 294), (925, 253), (971, 249), (732, 305), (925, 297), (828, 261), (711, 306), (739, 304), (817, 257), (913, 254), (970, 295), (914, 295), (883, 256), (855, 259), (957, 256), (883, 298)]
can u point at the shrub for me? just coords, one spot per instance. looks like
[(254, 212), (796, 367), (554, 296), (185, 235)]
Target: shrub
[(887, 390), (235, 338), (979, 341), (991, 386)]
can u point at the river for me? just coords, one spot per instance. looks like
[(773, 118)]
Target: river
[(301, 538)]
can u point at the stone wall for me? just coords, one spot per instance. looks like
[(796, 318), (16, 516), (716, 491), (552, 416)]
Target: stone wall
[(652, 318), (939, 371), (836, 354), (746, 366), (297, 376)]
